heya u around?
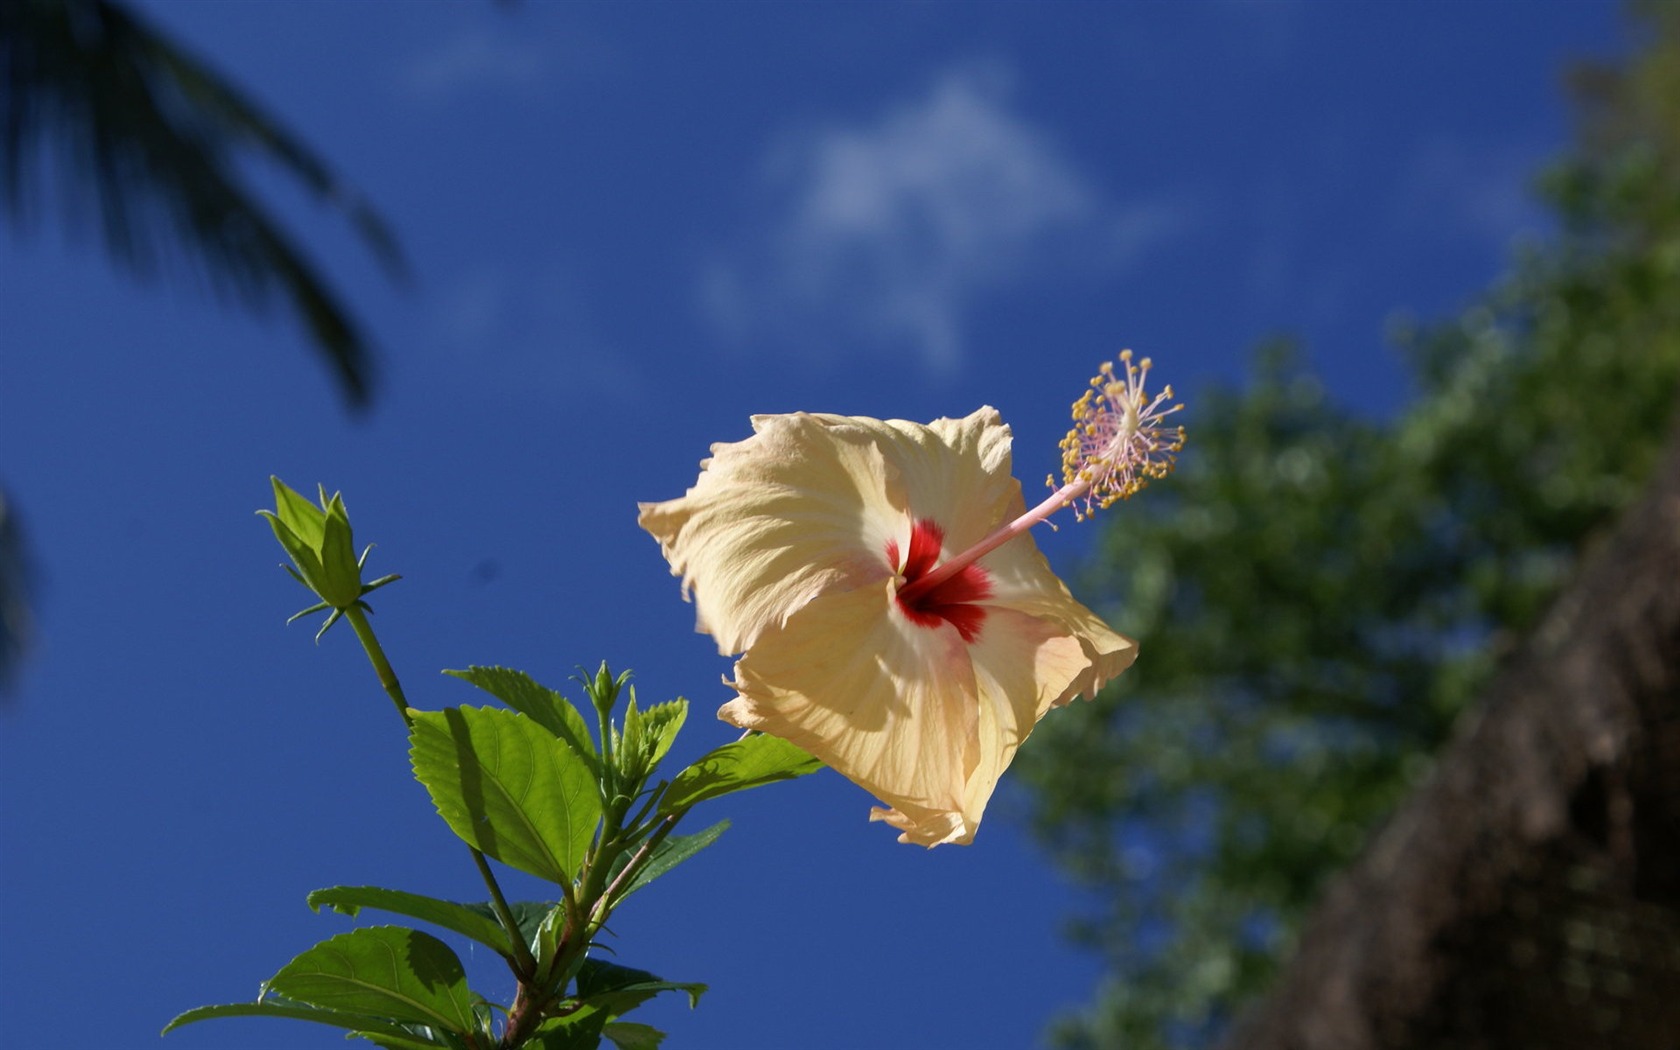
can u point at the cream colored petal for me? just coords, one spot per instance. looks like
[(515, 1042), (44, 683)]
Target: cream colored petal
[(956, 472), (890, 705), (804, 506), (1022, 580), (1021, 665), (912, 714), (953, 472), (810, 503), (1104, 652)]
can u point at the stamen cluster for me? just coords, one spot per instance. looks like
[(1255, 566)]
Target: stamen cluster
[(1118, 442)]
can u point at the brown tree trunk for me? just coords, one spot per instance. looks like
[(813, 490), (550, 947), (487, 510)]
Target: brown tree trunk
[(1528, 894)]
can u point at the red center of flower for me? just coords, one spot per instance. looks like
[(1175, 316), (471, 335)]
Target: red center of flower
[(952, 601)]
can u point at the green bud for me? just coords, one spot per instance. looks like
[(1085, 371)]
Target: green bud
[(318, 540), (603, 687)]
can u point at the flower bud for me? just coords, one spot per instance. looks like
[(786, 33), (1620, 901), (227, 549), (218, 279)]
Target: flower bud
[(318, 540)]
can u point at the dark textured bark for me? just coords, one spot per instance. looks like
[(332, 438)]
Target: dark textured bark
[(1528, 894)]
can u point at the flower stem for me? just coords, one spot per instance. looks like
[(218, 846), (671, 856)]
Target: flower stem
[(609, 769), (1052, 503), (376, 656), (524, 964)]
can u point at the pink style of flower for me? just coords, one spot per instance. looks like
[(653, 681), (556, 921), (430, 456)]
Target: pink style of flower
[(894, 616)]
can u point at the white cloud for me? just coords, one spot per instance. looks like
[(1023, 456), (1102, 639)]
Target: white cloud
[(892, 231)]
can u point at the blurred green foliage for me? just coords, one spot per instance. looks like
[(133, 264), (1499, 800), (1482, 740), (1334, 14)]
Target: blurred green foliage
[(1319, 595)]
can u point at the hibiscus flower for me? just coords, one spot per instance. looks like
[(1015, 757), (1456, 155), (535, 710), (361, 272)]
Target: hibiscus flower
[(894, 616)]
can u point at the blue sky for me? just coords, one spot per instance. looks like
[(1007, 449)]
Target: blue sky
[(633, 226)]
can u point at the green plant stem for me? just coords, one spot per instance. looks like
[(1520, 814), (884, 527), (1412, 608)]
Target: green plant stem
[(605, 904), (635, 822), (376, 656), (523, 1016), (524, 964), (609, 770)]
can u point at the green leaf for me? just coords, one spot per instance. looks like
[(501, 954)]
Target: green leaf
[(527, 915), (758, 759), (627, 1035), (475, 921), (619, 989), (580, 1030), (544, 939), (291, 1011), (647, 737), (662, 722), (541, 704), (405, 1042), (382, 971), (627, 751), (673, 851), (605, 992), (508, 788)]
